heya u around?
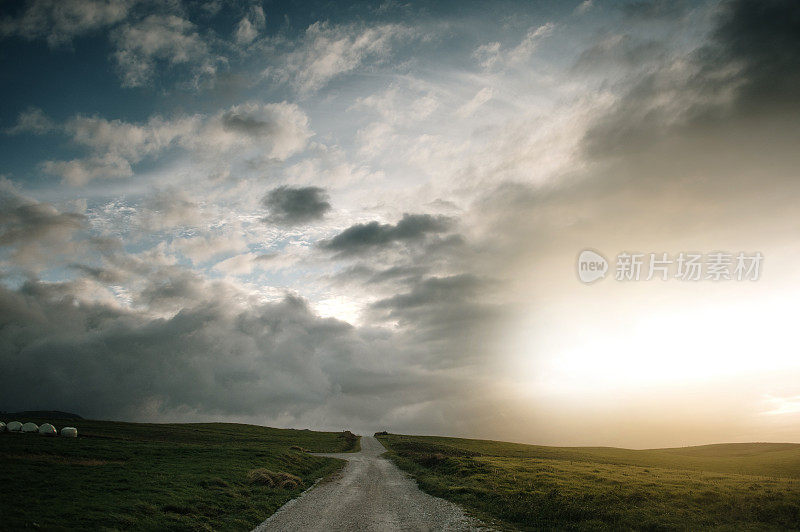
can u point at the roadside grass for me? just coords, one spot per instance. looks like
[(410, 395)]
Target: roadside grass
[(722, 487), (193, 476)]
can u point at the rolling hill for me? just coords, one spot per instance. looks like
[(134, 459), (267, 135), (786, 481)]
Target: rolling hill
[(197, 476), (725, 486)]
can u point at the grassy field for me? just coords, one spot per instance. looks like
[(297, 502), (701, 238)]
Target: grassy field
[(157, 476), (754, 486)]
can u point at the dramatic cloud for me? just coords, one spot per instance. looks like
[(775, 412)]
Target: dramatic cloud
[(362, 238), (275, 130), (31, 231), (274, 360), (449, 319), (760, 42), (199, 270), (292, 206), (434, 290), (750, 66), (23, 220)]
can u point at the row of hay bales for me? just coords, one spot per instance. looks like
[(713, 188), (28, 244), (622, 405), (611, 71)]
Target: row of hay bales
[(46, 429)]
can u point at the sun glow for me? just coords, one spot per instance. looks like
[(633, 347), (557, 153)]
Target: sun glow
[(630, 348)]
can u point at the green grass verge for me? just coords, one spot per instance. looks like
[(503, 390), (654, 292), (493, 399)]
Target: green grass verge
[(722, 487), (156, 476)]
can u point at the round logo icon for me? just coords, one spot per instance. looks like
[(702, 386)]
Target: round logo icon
[(591, 266)]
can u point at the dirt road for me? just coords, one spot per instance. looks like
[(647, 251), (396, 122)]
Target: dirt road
[(370, 493)]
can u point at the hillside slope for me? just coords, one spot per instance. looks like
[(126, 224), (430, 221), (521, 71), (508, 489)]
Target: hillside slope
[(157, 476), (729, 486)]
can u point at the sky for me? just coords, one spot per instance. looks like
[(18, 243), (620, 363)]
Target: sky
[(368, 216)]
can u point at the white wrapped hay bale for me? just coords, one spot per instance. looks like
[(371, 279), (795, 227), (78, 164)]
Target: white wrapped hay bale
[(30, 427), (14, 426), (69, 432), (47, 430), (2, 427)]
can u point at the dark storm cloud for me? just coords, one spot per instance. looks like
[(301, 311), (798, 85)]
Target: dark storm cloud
[(103, 275), (35, 235), (434, 291), (292, 206), (762, 38), (213, 357), (360, 238), (187, 348), (449, 319), (749, 69), (23, 220), (442, 313), (248, 124), (363, 273), (402, 273), (176, 287)]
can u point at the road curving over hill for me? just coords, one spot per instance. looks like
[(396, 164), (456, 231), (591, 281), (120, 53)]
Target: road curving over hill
[(369, 493)]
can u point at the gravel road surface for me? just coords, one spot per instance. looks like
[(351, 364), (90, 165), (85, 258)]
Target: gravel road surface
[(369, 493)]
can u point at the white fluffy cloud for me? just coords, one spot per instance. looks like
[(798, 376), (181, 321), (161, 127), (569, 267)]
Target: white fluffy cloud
[(256, 130), (129, 140), (203, 248), (277, 130), (248, 27), (59, 21), (238, 264), (168, 38), (327, 51), (168, 208), (32, 120), (79, 172)]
